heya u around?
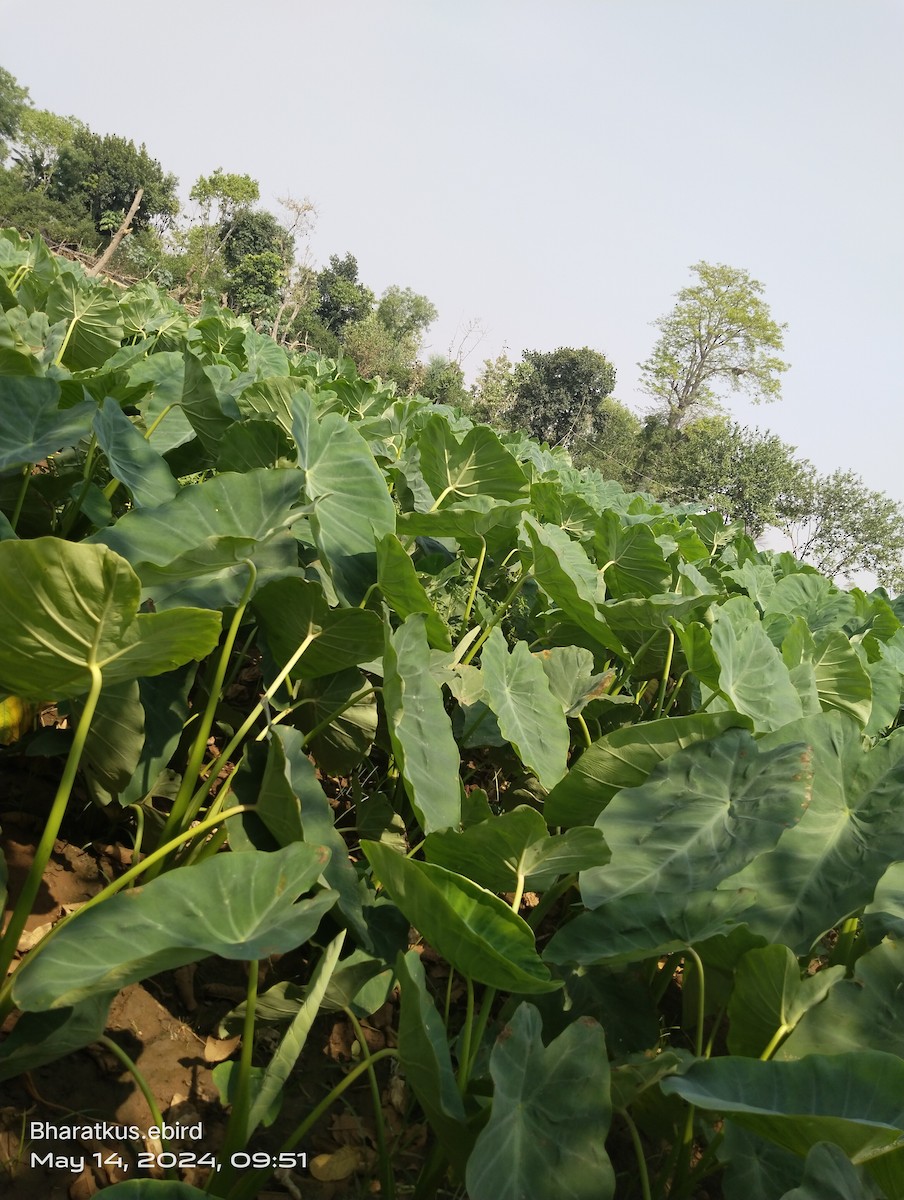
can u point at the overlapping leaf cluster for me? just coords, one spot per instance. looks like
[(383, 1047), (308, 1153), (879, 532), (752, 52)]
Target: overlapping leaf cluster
[(684, 751)]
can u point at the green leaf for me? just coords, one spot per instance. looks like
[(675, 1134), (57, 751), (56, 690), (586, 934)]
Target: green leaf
[(475, 931), (131, 459), (752, 676), (566, 574), (642, 926), (704, 813), (290, 610), (479, 466), (247, 445), (550, 1116), (93, 318), (194, 547), (841, 680), (822, 605), (238, 906), (427, 1064), (352, 505), (115, 740), (770, 998), (419, 728), (828, 866), (280, 1066), (293, 806), (829, 1175), (859, 1013), (402, 589), (209, 416), (39, 1038), (515, 849), (631, 559), (854, 1100), (624, 759), (529, 716), (34, 426), (68, 609)]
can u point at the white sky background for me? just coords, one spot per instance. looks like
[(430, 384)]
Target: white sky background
[(552, 167)]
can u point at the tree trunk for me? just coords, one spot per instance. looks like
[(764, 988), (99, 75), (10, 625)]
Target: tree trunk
[(125, 228)]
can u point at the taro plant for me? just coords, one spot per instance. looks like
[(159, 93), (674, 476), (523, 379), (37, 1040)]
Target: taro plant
[(608, 803)]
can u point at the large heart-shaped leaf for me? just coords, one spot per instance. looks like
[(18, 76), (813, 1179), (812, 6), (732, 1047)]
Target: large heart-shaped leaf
[(94, 320), (70, 610), (550, 1117), (828, 866), (530, 717), (478, 466), (704, 813), (854, 1100), (34, 426), (770, 998), (625, 758), (514, 849), (131, 459), (352, 505), (240, 906)]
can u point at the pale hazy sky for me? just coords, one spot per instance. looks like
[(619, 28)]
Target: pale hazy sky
[(551, 168)]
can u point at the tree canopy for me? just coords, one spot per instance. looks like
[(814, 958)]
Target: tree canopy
[(719, 335), (105, 171)]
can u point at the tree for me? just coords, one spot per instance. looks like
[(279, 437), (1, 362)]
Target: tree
[(404, 313), (719, 334), (104, 173), (840, 526), (742, 473), (556, 396), (442, 381), (342, 298), (612, 445), (14, 102), (41, 138)]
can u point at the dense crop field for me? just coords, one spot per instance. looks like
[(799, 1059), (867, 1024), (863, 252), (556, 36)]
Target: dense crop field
[(602, 805)]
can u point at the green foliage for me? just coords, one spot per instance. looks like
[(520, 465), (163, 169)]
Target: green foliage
[(746, 475), (14, 102), (461, 645), (556, 396), (841, 526), (341, 297), (104, 172), (719, 334)]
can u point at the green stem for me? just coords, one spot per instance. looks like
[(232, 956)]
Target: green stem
[(687, 1141), (665, 673), (497, 615), (780, 1034), (238, 737), (464, 1039), (674, 696), (480, 561), (44, 849), (237, 1131), (20, 498), (180, 813), (480, 1028), (74, 507), (585, 732), (638, 1153), (132, 1067), (387, 1180), (248, 1187)]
